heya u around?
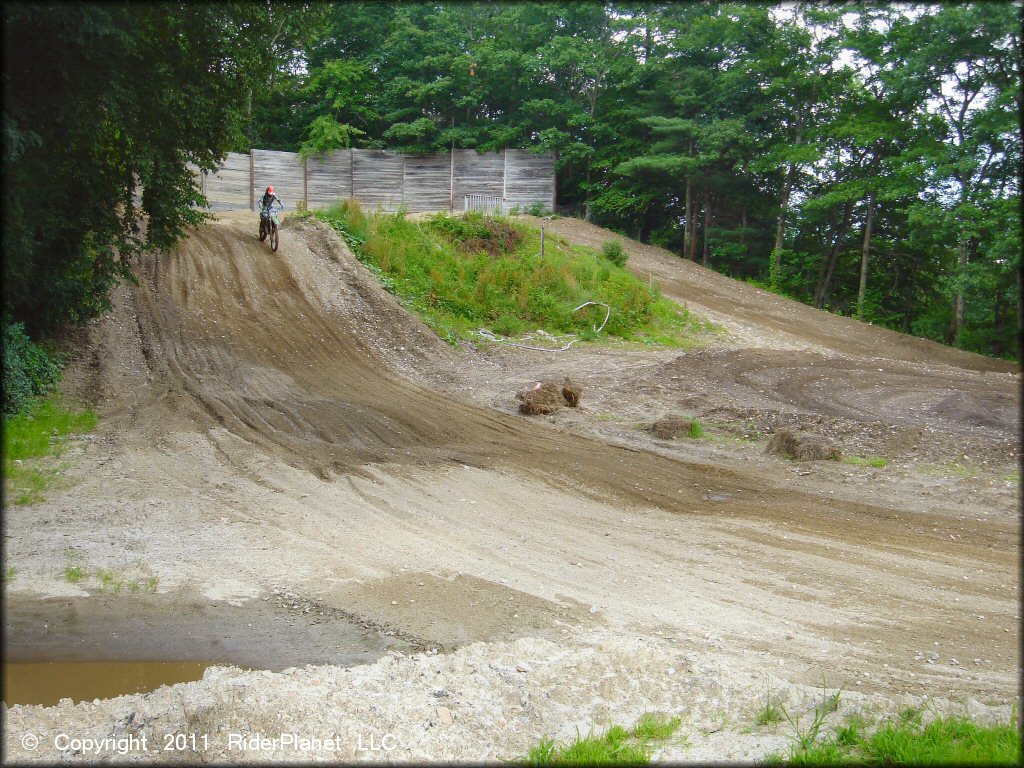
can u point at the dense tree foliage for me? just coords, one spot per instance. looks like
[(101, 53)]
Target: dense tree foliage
[(104, 107), (858, 156), (864, 158)]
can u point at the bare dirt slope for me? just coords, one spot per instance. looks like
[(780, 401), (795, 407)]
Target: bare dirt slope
[(277, 423), (740, 305)]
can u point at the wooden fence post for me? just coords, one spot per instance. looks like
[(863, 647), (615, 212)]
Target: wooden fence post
[(554, 183)]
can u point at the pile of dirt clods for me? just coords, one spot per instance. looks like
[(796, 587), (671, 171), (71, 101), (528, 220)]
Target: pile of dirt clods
[(547, 397), (803, 446)]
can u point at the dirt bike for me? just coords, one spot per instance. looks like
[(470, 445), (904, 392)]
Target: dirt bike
[(270, 225)]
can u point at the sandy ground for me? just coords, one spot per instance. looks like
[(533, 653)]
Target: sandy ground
[(277, 434)]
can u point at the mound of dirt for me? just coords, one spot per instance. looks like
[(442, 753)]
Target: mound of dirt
[(476, 233), (541, 400), (671, 427), (500, 239), (571, 392), (803, 446), (548, 397)]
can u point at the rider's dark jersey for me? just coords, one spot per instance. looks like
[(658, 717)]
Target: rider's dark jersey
[(266, 200)]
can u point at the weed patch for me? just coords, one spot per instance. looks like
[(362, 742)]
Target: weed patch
[(772, 711), (616, 746), (903, 740), (475, 232), (106, 578), (943, 741), (869, 461), (953, 469), (465, 273)]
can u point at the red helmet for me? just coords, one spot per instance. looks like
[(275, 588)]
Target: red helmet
[(270, 190)]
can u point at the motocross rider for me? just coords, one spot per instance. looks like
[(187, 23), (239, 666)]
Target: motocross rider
[(268, 198)]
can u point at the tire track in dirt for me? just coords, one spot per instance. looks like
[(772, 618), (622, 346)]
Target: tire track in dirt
[(251, 337), (289, 355), (909, 395)]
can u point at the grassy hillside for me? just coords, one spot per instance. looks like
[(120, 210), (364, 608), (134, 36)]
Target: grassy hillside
[(467, 272)]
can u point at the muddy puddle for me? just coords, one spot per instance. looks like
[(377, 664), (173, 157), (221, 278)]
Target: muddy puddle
[(107, 645), (47, 682)]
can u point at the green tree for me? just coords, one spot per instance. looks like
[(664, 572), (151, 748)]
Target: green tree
[(966, 60), (105, 107)]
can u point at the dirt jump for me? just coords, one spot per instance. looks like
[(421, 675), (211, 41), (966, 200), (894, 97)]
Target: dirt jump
[(283, 448)]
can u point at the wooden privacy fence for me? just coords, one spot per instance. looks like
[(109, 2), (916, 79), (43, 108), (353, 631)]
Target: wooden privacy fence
[(387, 181)]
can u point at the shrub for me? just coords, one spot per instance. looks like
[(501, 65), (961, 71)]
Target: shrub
[(29, 369), (475, 232), (614, 252), (509, 325)]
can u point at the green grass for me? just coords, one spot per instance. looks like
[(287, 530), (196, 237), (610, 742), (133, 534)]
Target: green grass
[(74, 572), (943, 741), (771, 713), (952, 469), (735, 433), (869, 461), (463, 273), (696, 430), (903, 740), (33, 437), (106, 579), (37, 432), (116, 583), (652, 727), (616, 746)]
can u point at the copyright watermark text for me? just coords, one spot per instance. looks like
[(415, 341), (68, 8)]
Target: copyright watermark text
[(200, 742), (118, 745)]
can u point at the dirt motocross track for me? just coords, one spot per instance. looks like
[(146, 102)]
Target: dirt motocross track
[(278, 424)]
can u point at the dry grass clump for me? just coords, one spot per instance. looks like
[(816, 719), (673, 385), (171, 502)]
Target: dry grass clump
[(548, 397), (671, 427), (571, 393), (803, 446), (499, 238)]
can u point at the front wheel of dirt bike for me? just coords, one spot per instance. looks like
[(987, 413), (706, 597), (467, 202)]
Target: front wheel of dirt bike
[(273, 236), (263, 231)]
